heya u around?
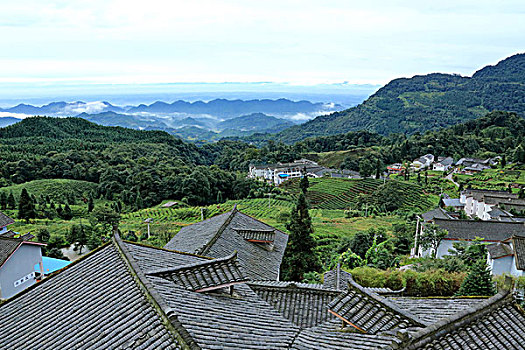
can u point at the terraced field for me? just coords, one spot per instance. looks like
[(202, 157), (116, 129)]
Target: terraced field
[(336, 193), (173, 218)]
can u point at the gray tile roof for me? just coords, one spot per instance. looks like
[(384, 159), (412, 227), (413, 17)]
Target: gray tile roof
[(330, 336), (519, 249), (499, 250), (431, 310), (194, 238), (94, 303), (304, 305), (437, 213), (497, 323), (221, 235), (5, 220), (204, 275), (452, 202), (492, 231), (370, 313), (109, 299), (7, 247)]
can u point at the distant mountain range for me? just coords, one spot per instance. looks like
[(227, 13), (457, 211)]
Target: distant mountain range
[(218, 108), (190, 120), (423, 102)]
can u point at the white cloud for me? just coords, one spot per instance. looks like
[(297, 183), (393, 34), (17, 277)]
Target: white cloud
[(302, 42)]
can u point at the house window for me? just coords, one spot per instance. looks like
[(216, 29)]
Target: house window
[(24, 279)]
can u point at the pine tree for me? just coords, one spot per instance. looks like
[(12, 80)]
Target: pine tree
[(300, 256), (378, 168), (26, 206), (91, 204), (304, 184), (426, 177), (67, 214), (3, 201), (478, 282), (503, 161), (418, 177), (11, 202)]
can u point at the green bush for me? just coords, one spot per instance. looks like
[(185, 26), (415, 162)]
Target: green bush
[(422, 284)]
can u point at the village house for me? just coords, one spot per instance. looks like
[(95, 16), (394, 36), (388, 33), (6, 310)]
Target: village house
[(459, 231), (396, 168), (18, 258), (423, 162), (278, 173), (490, 204), (4, 222), (507, 257), (443, 164), (154, 298)]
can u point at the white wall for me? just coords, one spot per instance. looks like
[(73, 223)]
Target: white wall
[(501, 265), (20, 264)]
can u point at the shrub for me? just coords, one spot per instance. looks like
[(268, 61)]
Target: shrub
[(429, 283)]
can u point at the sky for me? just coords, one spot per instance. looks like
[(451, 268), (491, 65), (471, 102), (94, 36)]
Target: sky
[(303, 43)]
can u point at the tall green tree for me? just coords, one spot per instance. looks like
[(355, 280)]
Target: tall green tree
[(299, 257), (478, 282), (67, 213), (11, 202), (3, 201), (78, 236), (26, 207), (91, 204), (304, 184)]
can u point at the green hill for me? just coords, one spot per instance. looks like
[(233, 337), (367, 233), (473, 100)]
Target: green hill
[(423, 102)]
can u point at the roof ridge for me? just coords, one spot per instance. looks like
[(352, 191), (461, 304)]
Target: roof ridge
[(423, 336), (482, 221), (264, 223), (167, 250), (291, 286), (385, 302), (219, 232), (167, 315), (232, 256)]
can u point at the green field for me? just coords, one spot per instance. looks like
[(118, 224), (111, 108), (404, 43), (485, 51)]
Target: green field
[(57, 189), (330, 226), (494, 179), (337, 193)]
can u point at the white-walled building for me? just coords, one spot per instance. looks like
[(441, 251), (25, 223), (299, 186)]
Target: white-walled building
[(17, 265), (470, 230), (443, 164), (423, 162), (276, 174), (490, 204), (507, 257)]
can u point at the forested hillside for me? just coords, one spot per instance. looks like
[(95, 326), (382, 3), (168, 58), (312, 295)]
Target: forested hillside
[(138, 168), (410, 105)]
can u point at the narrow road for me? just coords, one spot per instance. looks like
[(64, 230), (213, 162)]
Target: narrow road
[(449, 177)]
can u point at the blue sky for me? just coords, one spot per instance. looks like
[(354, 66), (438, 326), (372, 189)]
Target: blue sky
[(302, 42)]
